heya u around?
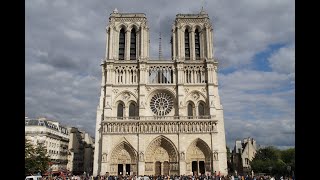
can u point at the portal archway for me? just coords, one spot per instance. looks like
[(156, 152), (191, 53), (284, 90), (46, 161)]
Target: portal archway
[(199, 157), (123, 159), (161, 157)]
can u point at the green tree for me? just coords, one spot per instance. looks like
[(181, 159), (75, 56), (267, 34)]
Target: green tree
[(36, 158), (288, 157), (265, 160), (272, 160)]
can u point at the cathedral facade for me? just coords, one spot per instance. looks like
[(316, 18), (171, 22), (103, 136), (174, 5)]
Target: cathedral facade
[(159, 117)]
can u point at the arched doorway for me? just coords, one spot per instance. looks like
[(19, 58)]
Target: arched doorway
[(161, 157), (199, 157), (123, 160)]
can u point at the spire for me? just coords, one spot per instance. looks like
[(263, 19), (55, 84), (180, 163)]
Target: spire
[(202, 10), (160, 50)]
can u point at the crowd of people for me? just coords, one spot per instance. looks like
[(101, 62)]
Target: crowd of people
[(175, 177)]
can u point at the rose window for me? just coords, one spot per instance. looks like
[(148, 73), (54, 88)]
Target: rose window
[(161, 104)]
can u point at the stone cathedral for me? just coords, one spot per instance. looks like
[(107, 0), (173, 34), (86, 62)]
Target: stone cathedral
[(157, 116)]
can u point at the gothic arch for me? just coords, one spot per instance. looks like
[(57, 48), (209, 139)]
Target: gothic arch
[(191, 109), (133, 25), (133, 109), (159, 144), (195, 96), (201, 101), (187, 26), (125, 96), (120, 26), (199, 150), (197, 26), (123, 153)]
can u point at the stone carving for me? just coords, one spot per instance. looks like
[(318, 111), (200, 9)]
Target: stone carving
[(115, 91), (186, 90), (108, 105), (215, 156), (141, 156), (195, 96), (203, 90), (104, 157), (149, 167), (141, 104), (126, 96), (182, 156), (148, 89), (161, 104)]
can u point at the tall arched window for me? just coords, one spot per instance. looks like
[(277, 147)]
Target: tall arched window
[(201, 110), (120, 111), (122, 42), (197, 43), (133, 44), (186, 44), (190, 111), (132, 110)]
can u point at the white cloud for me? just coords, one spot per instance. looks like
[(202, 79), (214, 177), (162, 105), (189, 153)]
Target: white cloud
[(283, 61), (65, 42)]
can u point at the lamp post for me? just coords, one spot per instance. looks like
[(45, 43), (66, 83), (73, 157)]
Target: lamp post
[(289, 170), (270, 169)]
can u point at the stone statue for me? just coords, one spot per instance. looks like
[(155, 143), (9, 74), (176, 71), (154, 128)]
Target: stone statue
[(141, 156)]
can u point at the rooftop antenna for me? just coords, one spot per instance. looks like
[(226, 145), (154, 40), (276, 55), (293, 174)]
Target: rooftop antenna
[(160, 50)]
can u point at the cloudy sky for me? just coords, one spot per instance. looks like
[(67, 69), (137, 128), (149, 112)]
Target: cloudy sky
[(254, 42)]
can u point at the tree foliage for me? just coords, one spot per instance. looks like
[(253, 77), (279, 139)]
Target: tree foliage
[(274, 161), (36, 158)]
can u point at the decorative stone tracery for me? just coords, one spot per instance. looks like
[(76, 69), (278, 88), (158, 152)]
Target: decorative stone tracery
[(161, 104)]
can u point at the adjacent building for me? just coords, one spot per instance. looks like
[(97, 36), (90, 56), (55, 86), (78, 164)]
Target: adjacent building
[(243, 152), (69, 148), (81, 149), (53, 135), (159, 116)]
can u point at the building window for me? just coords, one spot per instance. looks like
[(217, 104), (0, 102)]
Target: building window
[(121, 44), (197, 43), (133, 45), (190, 110), (132, 110), (120, 111), (247, 161), (201, 110), (186, 44)]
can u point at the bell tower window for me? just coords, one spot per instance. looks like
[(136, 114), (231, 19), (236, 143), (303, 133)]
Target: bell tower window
[(197, 43), (201, 109), (120, 111), (133, 45), (132, 110), (190, 110), (121, 44), (186, 44)]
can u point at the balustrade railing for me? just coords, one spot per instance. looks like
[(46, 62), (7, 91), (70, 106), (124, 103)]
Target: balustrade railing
[(165, 124), (150, 118)]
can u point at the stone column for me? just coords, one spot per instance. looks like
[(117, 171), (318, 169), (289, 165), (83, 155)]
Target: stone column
[(192, 45), (107, 42), (173, 43), (127, 45)]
